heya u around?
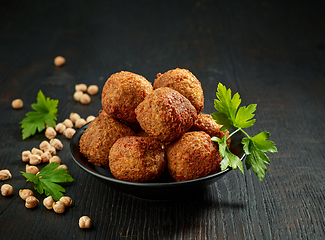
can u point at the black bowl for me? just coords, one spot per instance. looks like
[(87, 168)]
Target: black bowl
[(154, 191)]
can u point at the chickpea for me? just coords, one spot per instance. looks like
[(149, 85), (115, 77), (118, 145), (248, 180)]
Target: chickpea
[(77, 95), (34, 159), (92, 90), (81, 87), (67, 201), (37, 151), (90, 118), (85, 99), (50, 133), (84, 222), (69, 132), (68, 123), (80, 122), (56, 143), (51, 150), (58, 207), (31, 202), (60, 127), (62, 166), (17, 104), (45, 157), (5, 174), (44, 145), (74, 117), (25, 193), (59, 61), (25, 155), (48, 202), (55, 159), (6, 190), (32, 169)]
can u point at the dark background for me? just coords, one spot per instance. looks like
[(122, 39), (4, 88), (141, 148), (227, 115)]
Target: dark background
[(271, 52)]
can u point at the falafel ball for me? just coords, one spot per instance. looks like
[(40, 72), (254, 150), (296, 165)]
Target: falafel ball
[(165, 114), (98, 138), (192, 156), (207, 124), (122, 93), (183, 81), (137, 159)]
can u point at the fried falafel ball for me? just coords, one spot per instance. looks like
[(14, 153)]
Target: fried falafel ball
[(183, 81), (192, 156), (165, 114), (137, 159), (207, 124), (122, 93), (98, 138)]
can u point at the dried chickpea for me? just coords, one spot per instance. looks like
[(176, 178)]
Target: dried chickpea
[(60, 127), (77, 95), (55, 159), (69, 132), (17, 104), (80, 122), (5, 174), (25, 193), (62, 166), (45, 157), (25, 155), (34, 159), (90, 118), (37, 151), (58, 207), (59, 61), (67, 201), (50, 133), (74, 117), (48, 202), (85, 98), (84, 222), (92, 90), (44, 145), (31, 202), (68, 123), (56, 143), (31, 169), (81, 87), (6, 190)]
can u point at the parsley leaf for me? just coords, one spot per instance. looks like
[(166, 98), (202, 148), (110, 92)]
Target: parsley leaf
[(228, 158), (47, 179), (255, 147), (45, 114)]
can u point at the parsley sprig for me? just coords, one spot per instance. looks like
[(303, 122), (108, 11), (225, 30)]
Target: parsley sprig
[(46, 180), (230, 115), (45, 114)]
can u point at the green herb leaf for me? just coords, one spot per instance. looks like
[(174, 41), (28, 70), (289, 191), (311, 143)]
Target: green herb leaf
[(45, 114), (255, 147), (47, 179), (228, 158)]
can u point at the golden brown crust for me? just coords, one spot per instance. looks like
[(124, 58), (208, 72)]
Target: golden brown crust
[(207, 124), (165, 114), (122, 93), (192, 156), (99, 137), (137, 159), (183, 81)]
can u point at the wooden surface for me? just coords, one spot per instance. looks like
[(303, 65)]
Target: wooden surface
[(271, 52)]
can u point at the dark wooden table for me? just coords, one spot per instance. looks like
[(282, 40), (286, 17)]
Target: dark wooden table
[(271, 52)]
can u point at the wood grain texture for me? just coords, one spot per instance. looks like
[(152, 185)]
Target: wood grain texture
[(271, 52)]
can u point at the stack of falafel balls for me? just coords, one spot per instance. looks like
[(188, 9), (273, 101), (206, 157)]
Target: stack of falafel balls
[(148, 133)]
